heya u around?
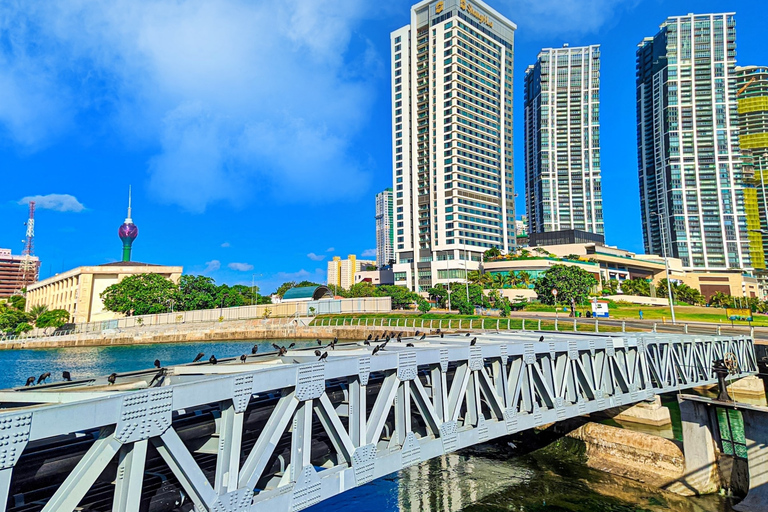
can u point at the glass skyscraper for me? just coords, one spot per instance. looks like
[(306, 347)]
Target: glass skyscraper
[(562, 141), (452, 140), (690, 172)]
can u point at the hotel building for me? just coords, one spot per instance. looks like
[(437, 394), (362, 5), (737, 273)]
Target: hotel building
[(452, 140), (562, 141), (16, 272), (692, 190)]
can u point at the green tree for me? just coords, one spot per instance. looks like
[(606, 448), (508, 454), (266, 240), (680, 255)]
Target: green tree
[(573, 285), (504, 307), (140, 294), (195, 292), (402, 297), (636, 286), (611, 287), (499, 280), (685, 293), (439, 295), (491, 254), (721, 300), (36, 311), (424, 305), (18, 302), (53, 318), (244, 295), (363, 289), (284, 288), (11, 318)]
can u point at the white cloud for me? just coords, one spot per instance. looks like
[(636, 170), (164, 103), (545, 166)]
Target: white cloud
[(330, 249), (226, 244), (548, 18), (220, 88), (240, 267), (56, 202), (316, 257), (212, 266), (368, 253)]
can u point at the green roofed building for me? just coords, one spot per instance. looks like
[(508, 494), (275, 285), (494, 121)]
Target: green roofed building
[(307, 293)]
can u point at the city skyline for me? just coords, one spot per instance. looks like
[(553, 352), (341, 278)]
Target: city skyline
[(94, 151)]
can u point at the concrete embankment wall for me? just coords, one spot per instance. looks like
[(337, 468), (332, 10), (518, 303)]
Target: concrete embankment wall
[(646, 458), (208, 332)]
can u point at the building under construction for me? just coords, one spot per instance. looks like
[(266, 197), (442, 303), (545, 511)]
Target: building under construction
[(16, 272)]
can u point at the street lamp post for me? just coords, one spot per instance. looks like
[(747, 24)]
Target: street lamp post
[(666, 266)]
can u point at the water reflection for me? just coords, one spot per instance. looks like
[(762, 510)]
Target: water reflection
[(489, 479)]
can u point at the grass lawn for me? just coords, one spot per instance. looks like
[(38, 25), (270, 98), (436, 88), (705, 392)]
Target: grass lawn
[(682, 314)]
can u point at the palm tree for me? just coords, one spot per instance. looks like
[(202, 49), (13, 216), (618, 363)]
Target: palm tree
[(524, 278), (36, 311), (499, 280)]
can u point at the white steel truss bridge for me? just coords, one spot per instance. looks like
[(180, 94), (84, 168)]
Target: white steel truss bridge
[(283, 432)]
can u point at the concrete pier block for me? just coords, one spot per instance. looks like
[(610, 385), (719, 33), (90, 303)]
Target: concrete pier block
[(646, 413), (751, 385), (756, 433), (701, 475)]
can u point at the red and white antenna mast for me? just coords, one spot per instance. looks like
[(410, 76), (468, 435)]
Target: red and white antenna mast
[(29, 244)]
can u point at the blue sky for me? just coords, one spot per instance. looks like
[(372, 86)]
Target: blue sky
[(256, 133)]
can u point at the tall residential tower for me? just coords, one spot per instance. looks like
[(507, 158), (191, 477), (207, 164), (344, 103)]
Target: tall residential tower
[(752, 97), (691, 182), (385, 228), (452, 140), (562, 140)]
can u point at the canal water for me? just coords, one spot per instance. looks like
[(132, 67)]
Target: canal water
[(489, 478)]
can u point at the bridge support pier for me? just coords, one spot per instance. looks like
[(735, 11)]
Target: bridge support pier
[(701, 476), (756, 433)]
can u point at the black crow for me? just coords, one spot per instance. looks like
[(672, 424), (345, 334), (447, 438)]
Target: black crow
[(157, 363), (112, 378), (423, 336), (319, 341), (442, 335), (323, 357), (291, 345), (416, 333), (213, 360), (255, 349), (30, 381), (66, 376), (318, 353), (409, 344), (467, 334), (370, 337), (243, 358), (473, 342), (377, 339), (366, 342), (376, 349), (157, 377), (541, 339), (438, 331), (198, 357), (43, 377)]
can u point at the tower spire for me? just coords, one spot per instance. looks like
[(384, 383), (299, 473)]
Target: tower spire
[(128, 219), (128, 231)]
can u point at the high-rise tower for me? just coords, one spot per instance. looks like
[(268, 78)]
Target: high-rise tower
[(452, 140), (752, 97), (691, 182), (385, 228), (128, 231), (562, 140)]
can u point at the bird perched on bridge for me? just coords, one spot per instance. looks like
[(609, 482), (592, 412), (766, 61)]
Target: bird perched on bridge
[(423, 336), (291, 346), (66, 376), (213, 360), (376, 349), (30, 381), (438, 331), (281, 351), (377, 339), (473, 342), (159, 375), (157, 363), (541, 339), (370, 337), (318, 353), (442, 334), (323, 357), (416, 333), (409, 344), (243, 358), (366, 342), (332, 344), (198, 357), (319, 341), (255, 349), (43, 377), (112, 378), (399, 337), (468, 334)]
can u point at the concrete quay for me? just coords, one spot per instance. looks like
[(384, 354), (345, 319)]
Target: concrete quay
[(236, 330)]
